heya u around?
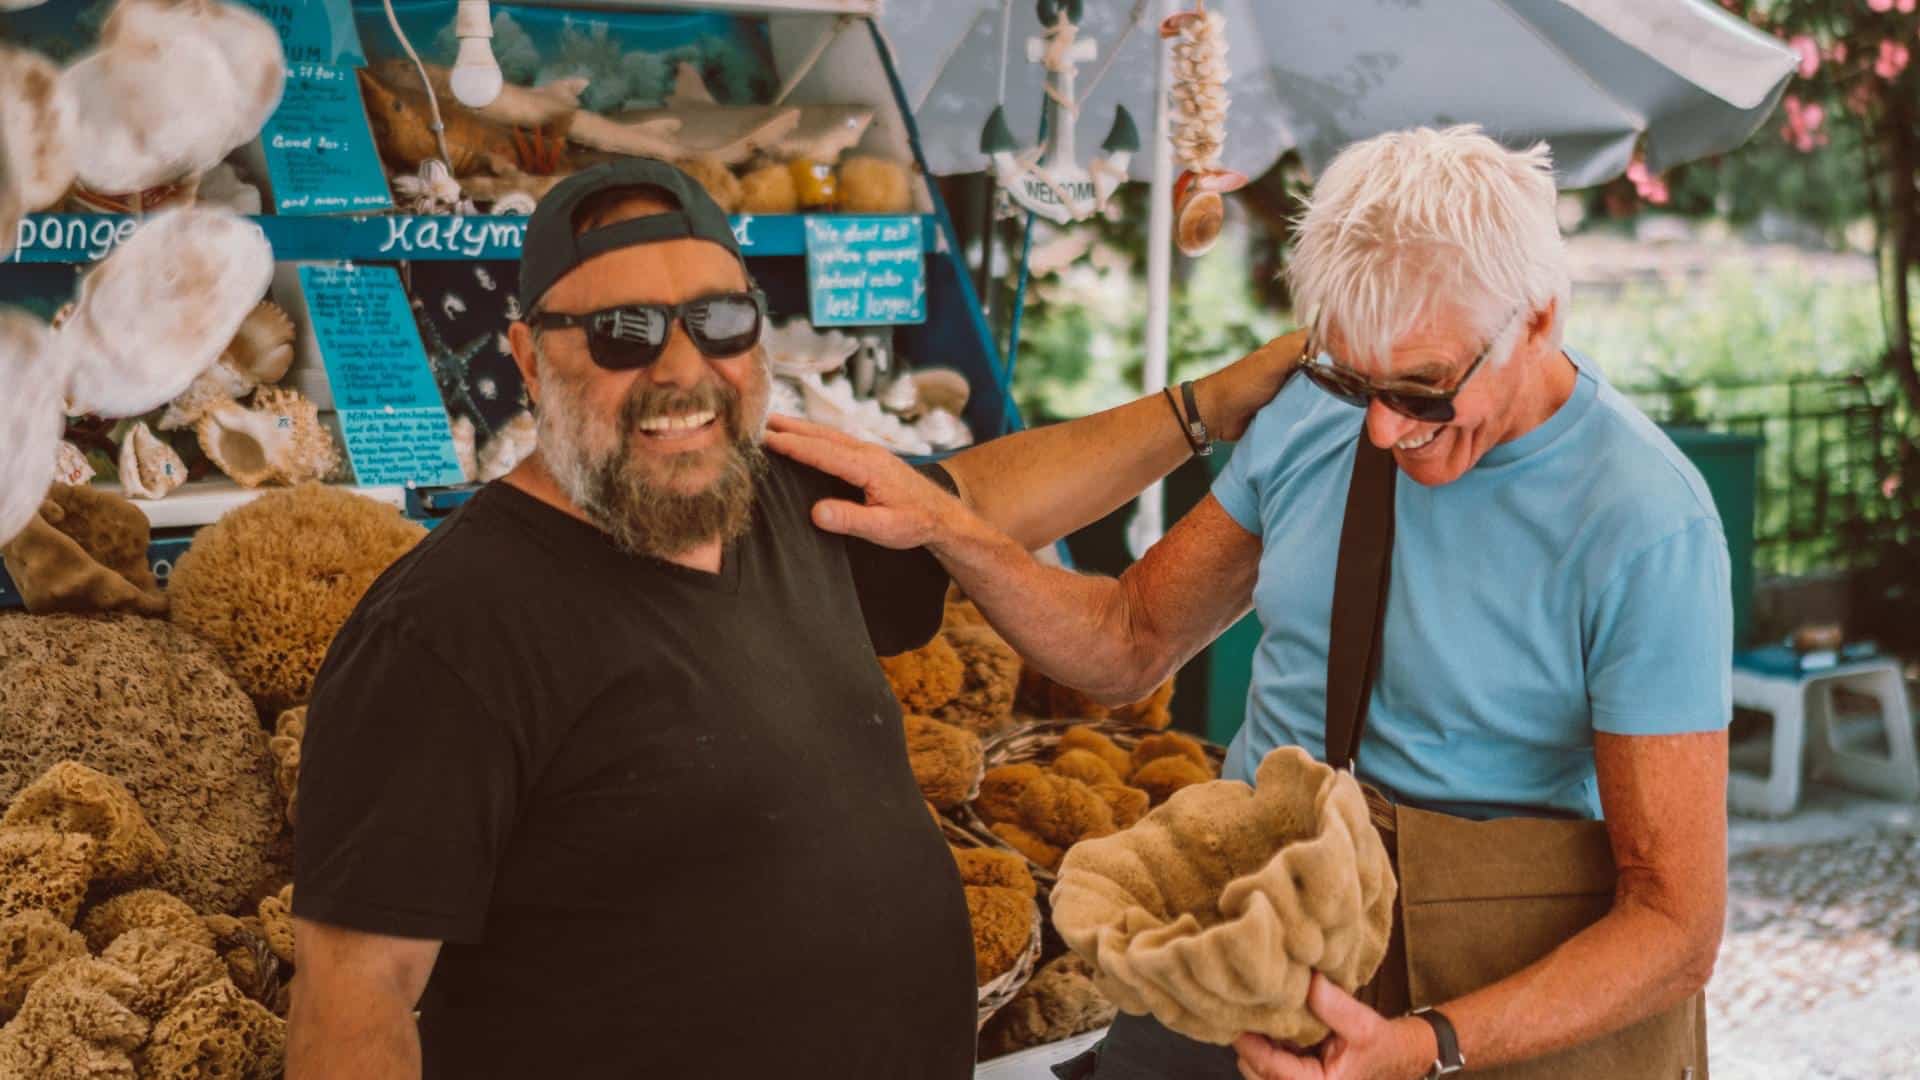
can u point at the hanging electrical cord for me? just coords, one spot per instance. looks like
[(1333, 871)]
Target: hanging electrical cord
[(433, 102)]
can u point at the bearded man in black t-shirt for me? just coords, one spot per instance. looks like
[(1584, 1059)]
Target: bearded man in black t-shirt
[(602, 778)]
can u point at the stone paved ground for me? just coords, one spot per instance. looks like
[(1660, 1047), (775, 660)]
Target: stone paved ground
[(1819, 973)]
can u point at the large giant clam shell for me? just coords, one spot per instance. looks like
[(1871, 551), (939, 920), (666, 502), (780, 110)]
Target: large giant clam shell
[(280, 440), (32, 374), (161, 309), (38, 122), (149, 468)]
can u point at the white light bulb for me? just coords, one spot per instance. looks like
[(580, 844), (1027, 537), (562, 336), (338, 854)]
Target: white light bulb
[(476, 74)]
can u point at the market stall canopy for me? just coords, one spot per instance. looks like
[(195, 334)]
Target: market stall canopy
[(1592, 77)]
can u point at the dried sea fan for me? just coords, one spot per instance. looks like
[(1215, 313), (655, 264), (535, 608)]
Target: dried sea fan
[(1214, 911)]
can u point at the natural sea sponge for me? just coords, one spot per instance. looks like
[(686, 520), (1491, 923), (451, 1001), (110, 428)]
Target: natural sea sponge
[(73, 798), (270, 583), (149, 909), (990, 670), (42, 869), (1214, 911), (945, 760), (288, 733), (716, 178), (1129, 804), (769, 190), (276, 923), (1027, 844), (1082, 737), (1085, 766), (1000, 790), (168, 969), (871, 185), (1161, 777), (242, 945), (1060, 1001), (926, 678), (216, 1032), (86, 550), (151, 706), (1063, 811), (1154, 711), (1000, 869), (1002, 928), (1169, 744), (76, 1023), (30, 943), (1041, 696)]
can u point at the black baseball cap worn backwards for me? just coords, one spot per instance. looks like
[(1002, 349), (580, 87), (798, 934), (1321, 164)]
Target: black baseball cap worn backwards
[(550, 248)]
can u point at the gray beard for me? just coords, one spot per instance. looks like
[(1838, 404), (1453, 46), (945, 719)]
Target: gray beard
[(634, 501)]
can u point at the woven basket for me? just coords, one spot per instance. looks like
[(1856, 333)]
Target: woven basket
[(1035, 742), (1006, 986)]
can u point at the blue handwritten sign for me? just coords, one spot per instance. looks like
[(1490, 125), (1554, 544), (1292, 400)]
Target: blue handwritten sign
[(314, 31), (320, 153), (391, 414), (866, 271)]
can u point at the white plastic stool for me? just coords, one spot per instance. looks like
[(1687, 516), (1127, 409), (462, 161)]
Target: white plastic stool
[(1802, 705)]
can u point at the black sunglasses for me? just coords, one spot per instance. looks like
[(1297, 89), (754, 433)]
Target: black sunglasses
[(1411, 400), (633, 336)]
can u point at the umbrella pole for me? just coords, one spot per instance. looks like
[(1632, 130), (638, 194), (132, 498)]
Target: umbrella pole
[(1149, 519)]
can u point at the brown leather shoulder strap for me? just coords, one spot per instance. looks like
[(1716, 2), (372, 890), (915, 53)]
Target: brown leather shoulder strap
[(1360, 580)]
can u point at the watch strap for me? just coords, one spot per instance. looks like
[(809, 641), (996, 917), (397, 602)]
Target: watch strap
[(1197, 434), (1450, 1059)]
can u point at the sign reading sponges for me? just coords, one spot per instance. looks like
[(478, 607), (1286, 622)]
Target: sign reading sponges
[(866, 271), (391, 414)]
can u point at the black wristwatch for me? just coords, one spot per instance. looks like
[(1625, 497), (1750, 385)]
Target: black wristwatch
[(1451, 1060)]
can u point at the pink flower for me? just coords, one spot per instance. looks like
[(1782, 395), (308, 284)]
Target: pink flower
[(1889, 486), (1893, 60), (1838, 53), (1809, 55), (1650, 187), (1803, 121), (1880, 5)]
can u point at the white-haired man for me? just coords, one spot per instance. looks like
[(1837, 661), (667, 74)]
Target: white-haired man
[(1556, 638)]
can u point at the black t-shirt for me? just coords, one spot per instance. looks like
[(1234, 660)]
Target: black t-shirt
[(662, 819)]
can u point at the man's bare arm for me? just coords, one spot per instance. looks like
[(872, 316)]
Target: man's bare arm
[(353, 1003)]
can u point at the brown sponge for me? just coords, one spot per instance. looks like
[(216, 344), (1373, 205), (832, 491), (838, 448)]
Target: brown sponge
[(216, 1032), (85, 551), (1060, 1001), (1064, 811), (769, 190), (167, 968), (276, 923), (30, 943), (1026, 843), (990, 670), (143, 908), (945, 759), (1161, 777), (76, 1023), (716, 178), (1000, 869), (1002, 927), (288, 733), (71, 797), (1082, 737), (1086, 767), (271, 582), (1000, 789), (1170, 744), (926, 678), (42, 869), (1129, 804), (871, 185)]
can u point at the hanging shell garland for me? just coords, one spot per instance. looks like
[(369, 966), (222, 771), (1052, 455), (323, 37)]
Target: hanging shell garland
[(260, 353), (149, 468), (280, 440), (1199, 117)]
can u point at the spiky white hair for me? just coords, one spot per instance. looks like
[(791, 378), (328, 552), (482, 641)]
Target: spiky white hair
[(1406, 224)]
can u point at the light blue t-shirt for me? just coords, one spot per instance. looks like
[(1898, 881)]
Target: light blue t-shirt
[(1574, 580)]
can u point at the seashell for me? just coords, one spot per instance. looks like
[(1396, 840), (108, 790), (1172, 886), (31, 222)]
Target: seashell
[(943, 431), (280, 440), (33, 368), (513, 202), (942, 388), (37, 130), (901, 397), (462, 428), (161, 309), (70, 466), (223, 187), (149, 468), (262, 349), (795, 348), (832, 403), (510, 445)]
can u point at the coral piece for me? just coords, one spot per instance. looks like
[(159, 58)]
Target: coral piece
[(430, 190), (1170, 744), (769, 190), (1000, 788), (150, 909), (1215, 910), (402, 124), (1063, 811), (511, 444), (870, 185), (75, 1024), (86, 551), (30, 943), (149, 468), (1082, 737), (926, 678), (990, 670), (152, 706), (271, 582), (276, 923), (946, 761), (1035, 849), (288, 733), (168, 968), (1002, 927), (1161, 777), (999, 869), (1085, 766), (33, 373), (717, 179), (216, 1032), (37, 130), (42, 869), (278, 440), (1060, 1001), (73, 798), (1129, 804)]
